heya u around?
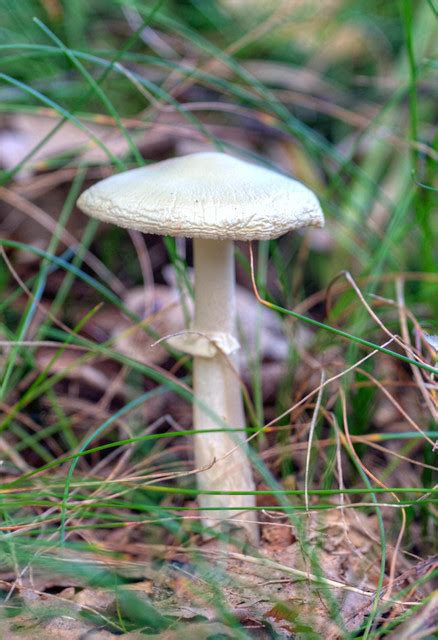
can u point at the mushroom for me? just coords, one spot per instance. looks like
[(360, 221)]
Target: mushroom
[(215, 199)]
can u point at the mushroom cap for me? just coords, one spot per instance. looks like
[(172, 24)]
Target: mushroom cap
[(204, 195)]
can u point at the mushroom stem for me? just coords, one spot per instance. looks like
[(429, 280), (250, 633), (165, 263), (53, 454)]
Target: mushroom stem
[(216, 385)]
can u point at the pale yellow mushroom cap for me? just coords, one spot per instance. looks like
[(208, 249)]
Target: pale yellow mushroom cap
[(204, 195)]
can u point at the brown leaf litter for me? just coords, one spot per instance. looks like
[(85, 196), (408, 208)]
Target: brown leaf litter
[(278, 589)]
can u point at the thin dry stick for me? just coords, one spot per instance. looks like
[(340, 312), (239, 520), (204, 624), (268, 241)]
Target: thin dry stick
[(148, 35), (340, 287), (426, 495), (389, 452), (35, 185), (393, 565), (339, 467), (40, 343), (393, 401), (114, 386), (313, 578), (13, 456), (137, 84), (327, 442), (310, 440), (376, 318)]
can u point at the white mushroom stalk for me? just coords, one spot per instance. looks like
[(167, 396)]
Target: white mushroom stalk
[(216, 384), (214, 199)]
